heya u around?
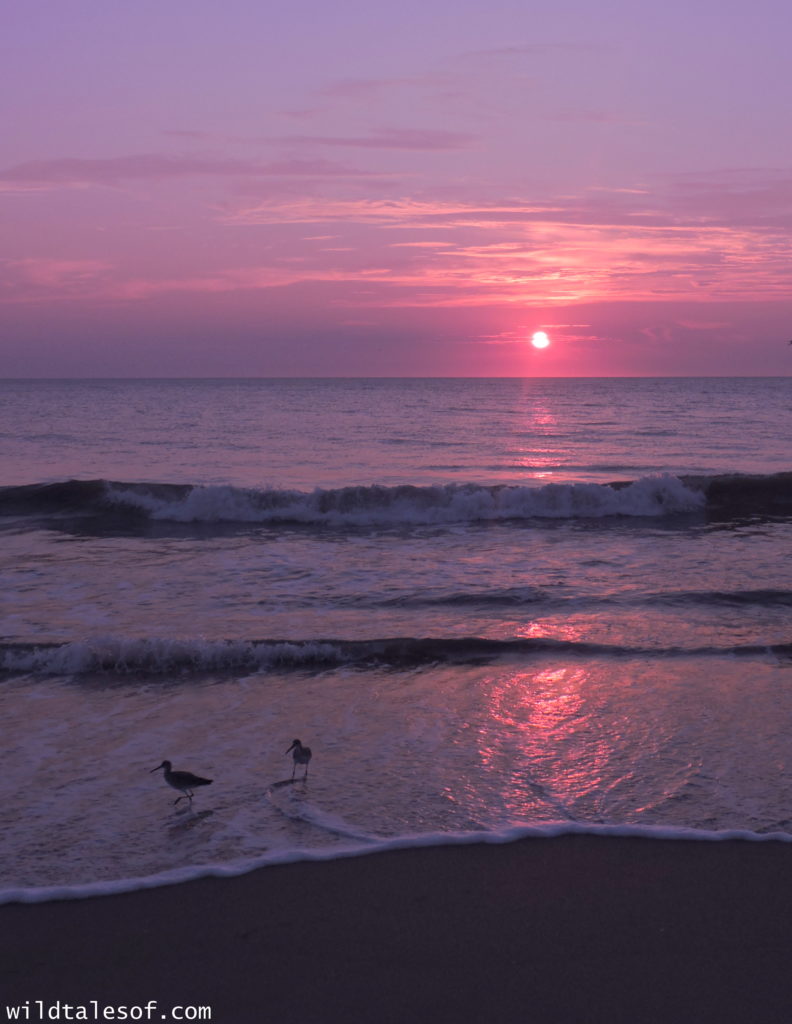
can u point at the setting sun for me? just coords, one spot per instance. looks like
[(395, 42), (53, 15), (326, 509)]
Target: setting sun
[(540, 340)]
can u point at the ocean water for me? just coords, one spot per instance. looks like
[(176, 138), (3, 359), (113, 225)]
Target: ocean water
[(487, 605)]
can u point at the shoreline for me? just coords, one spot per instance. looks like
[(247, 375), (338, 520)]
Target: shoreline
[(365, 846), (573, 928)]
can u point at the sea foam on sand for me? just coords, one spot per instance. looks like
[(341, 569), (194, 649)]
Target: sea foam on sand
[(359, 845)]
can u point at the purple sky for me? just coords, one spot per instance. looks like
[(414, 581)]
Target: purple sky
[(223, 189)]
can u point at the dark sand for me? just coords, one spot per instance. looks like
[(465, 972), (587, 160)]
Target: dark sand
[(582, 929)]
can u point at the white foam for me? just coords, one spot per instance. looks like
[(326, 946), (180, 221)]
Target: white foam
[(334, 824), (413, 505), (361, 848), (162, 655)]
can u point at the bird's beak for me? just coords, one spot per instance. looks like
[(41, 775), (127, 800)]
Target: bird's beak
[(155, 769), (291, 748)]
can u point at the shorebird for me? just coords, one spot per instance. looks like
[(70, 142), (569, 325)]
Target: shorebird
[(301, 755), (185, 782)]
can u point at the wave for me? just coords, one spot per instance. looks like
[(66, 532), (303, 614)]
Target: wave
[(373, 505), (365, 847), (116, 503), (186, 658), (521, 596), (762, 597)]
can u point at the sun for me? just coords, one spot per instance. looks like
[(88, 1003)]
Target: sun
[(539, 339)]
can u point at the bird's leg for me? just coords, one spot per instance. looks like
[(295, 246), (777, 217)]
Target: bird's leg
[(178, 798)]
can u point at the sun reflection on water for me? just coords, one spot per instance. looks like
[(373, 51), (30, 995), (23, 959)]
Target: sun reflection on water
[(545, 740), (535, 442)]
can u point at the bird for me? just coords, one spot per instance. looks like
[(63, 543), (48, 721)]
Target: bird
[(301, 755), (185, 782)]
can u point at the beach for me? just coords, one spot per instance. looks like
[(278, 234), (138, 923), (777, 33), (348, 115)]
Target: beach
[(536, 634), (577, 928)]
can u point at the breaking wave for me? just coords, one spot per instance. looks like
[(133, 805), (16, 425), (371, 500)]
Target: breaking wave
[(412, 505), (118, 505), (187, 658), (377, 505)]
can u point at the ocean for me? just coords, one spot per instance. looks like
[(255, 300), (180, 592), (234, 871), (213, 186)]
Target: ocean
[(490, 607)]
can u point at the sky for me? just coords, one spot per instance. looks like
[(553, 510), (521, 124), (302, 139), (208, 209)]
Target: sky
[(340, 188)]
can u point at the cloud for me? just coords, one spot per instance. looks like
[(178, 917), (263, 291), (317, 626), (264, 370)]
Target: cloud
[(427, 139), (387, 248), (26, 280), (72, 171), (425, 90), (704, 325), (739, 196), (312, 169), (628, 243)]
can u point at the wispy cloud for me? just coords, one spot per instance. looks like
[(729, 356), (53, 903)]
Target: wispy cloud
[(26, 280), (426, 139), (672, 239), (69, 172), (741, 196), (626, 243)]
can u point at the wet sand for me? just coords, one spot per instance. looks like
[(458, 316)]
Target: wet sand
[(579, 929)]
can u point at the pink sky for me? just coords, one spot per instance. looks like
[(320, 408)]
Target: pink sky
[(207, 189)]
